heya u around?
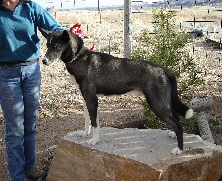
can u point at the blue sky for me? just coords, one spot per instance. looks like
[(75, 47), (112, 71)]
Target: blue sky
[(81, 3)]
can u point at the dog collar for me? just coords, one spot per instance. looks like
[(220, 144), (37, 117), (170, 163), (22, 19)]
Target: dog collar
[(77, 55)]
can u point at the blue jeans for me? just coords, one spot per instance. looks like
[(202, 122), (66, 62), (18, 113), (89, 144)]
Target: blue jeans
[(19, 98)]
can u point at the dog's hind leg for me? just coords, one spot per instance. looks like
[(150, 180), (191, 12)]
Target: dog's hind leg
[(173, 120), (178, 133), (162, 109), (177, 128)]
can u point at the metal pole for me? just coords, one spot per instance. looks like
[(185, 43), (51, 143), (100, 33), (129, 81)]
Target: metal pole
[(127, 28)]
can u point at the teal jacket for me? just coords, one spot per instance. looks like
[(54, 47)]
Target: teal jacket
[(19, 41)]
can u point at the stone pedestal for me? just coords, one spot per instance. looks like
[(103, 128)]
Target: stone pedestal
[(135, 155)]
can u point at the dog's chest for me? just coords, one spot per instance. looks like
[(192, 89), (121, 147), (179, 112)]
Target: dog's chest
[(73, 79)]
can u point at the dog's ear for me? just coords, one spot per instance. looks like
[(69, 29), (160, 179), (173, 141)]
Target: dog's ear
[(45, 33), (65, 35)]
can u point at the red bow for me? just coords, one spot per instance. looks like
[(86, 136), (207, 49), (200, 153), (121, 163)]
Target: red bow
[(76, 29)]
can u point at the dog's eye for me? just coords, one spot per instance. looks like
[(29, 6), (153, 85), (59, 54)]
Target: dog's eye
[(55, 46)]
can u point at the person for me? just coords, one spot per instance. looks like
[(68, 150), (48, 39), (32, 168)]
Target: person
[(20, 80)]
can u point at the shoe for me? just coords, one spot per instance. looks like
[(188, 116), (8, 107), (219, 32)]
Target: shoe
[(36, 174)]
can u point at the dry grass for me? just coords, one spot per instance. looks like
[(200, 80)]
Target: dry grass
[(61, 106)]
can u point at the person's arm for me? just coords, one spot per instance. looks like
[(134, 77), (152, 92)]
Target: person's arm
[(44, 20)]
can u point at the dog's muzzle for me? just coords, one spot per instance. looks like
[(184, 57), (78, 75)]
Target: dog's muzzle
[(45, 61)]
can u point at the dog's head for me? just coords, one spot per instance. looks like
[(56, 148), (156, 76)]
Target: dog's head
[(62, 45)]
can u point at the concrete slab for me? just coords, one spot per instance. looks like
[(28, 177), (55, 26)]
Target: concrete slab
[(149, 146), (148, 151)]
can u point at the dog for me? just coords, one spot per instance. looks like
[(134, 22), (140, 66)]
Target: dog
[(96, 73)]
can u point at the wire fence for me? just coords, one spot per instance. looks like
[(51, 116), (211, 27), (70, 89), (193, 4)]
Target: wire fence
[(106, 27)]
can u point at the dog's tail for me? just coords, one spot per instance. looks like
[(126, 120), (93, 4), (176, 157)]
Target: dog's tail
[(179, 107)]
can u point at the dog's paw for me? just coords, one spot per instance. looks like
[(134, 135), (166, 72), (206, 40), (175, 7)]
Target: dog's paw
[(84, 134), (176, 151), (172, 134), (92, 141)]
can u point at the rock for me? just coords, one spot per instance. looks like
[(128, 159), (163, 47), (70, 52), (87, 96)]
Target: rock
[(135, 155), (204, 128), (201, 104)]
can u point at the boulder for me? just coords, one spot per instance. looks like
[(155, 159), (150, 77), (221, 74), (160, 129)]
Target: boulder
[(135, 155)]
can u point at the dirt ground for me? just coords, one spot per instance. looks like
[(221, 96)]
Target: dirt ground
[(123, 111), (61, 110), (116, 112)]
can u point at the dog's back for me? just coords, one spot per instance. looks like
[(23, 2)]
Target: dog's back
[(112, 75)]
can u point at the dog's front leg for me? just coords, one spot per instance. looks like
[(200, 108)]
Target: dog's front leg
[(91, 116), (95, 138), (87, 120), (88, 126), (86, 112)]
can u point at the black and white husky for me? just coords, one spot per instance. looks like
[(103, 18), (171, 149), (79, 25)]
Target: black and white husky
[(96, 73)]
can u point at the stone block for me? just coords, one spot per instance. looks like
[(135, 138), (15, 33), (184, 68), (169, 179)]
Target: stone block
[(135, 155)]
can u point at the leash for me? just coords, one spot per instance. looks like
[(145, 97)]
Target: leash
[(76, 29)]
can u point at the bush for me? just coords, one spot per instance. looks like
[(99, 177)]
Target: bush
[(167, 46)]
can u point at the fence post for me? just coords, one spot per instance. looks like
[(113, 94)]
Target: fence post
[(127, 28)]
